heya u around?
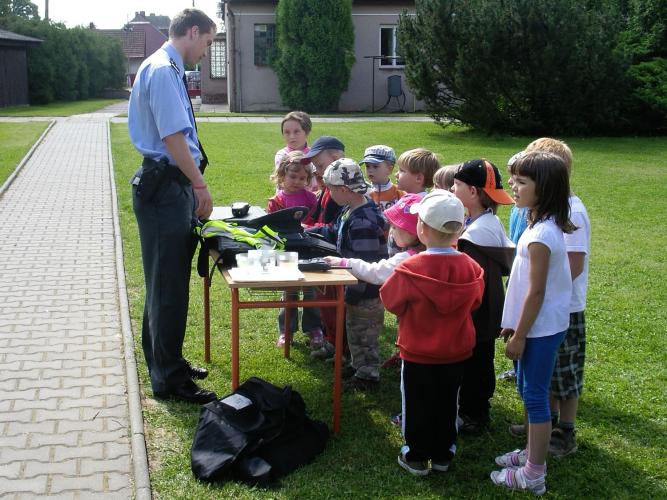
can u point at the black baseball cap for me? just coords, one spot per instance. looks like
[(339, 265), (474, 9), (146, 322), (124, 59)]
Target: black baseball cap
[(484, 174), (321, 144)]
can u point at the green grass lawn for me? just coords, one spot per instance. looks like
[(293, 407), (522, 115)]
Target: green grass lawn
[(16, 139), (622, 427), (59, 108)]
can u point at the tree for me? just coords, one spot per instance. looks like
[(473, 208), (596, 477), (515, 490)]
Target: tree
[(519, 66), (18, 8), (315, 52), (69, 64)]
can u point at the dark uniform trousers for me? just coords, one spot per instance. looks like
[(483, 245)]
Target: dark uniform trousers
[(430, 394), (167, 247)]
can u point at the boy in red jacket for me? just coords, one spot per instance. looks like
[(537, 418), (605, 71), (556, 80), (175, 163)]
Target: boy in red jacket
[(433, 294)]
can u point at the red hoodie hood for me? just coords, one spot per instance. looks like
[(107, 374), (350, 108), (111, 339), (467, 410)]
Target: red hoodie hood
[(439, 288)]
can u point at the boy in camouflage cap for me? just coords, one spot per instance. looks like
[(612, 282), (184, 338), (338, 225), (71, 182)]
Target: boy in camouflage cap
[(359, 232)]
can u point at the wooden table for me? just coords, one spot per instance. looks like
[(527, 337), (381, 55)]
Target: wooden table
[(337, 278)]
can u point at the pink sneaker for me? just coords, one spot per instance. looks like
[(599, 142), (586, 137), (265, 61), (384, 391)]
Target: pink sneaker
[(316, 339), (281, 340)]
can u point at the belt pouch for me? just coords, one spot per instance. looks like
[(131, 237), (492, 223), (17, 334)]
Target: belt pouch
[(153, 174)]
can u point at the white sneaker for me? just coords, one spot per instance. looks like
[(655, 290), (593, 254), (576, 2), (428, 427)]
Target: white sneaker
[(515, 479), (513, 459)]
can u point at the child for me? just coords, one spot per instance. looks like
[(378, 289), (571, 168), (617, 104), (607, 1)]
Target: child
[(478, 185), (359, 233), (568, 378), (518, 216), (444, 177), (324, 151), (517, 225), (404, 230), (291, 177), (416, 168), (536, 311), (379, 161), (295, 127), (404, 233), (433, 294)]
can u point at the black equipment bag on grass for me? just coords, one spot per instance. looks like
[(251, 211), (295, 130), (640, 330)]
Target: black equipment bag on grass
[(257, 434)]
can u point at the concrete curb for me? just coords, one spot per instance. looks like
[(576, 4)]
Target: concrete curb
[(25, 159), (142, 484)]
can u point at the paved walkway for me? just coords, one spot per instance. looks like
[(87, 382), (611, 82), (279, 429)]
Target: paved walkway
[(69, 397)]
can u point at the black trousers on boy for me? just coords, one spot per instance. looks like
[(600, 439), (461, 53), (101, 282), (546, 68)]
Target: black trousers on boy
[(479, 382), (430, 394)]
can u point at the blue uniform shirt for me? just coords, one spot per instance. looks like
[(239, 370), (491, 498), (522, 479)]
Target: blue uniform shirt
[(159, 106)]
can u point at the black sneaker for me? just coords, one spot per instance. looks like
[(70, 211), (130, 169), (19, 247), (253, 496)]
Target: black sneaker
[(361, 384), (440, 465), (416, 468), (473, 427)]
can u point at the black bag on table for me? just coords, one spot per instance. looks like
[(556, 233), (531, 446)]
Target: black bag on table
[(286, 222), (257, 434)]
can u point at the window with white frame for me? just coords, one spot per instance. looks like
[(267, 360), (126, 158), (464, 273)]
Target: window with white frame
[(388, 47), (265, 39), (218, 59)]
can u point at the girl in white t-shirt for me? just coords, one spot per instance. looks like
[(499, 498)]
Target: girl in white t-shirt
[(536, 311)]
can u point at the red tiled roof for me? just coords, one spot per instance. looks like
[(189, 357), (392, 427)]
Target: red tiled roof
[(134, 42)]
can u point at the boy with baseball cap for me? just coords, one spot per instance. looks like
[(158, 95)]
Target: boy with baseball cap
[(322, 153), (433, 294), (379, 161), (359, 232), (478, 185)]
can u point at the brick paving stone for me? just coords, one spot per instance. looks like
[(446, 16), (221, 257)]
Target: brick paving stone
[(64, 420), (37, 439), (35, 485), (64, 467)]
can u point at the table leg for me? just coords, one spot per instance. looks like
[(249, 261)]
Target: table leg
[(235, 338), (288, 334), (338, 362), (207, 320)]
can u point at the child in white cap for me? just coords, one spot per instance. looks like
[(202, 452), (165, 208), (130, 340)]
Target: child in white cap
[(433, 294)]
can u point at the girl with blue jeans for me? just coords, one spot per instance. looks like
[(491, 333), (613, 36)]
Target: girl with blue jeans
[(536, 310)]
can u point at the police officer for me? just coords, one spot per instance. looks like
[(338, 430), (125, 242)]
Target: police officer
[(168, 194)]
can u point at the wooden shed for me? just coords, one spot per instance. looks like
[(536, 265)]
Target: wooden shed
[(14, 68)]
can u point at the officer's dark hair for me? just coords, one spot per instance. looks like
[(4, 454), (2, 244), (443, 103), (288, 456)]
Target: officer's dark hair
[(188, 18)]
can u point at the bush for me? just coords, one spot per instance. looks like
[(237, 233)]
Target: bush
[(314, 53), (650, 79), (69, 64), (518, 66)]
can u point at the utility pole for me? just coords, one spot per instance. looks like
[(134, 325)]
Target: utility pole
[(46, 10), (128, 29)]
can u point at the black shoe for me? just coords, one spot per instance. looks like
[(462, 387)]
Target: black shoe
[(347, 372), (196, 372), (189, 392), (361, 384), (473, 427)]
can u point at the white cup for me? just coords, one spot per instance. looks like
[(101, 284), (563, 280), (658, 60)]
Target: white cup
[(288, 260)]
